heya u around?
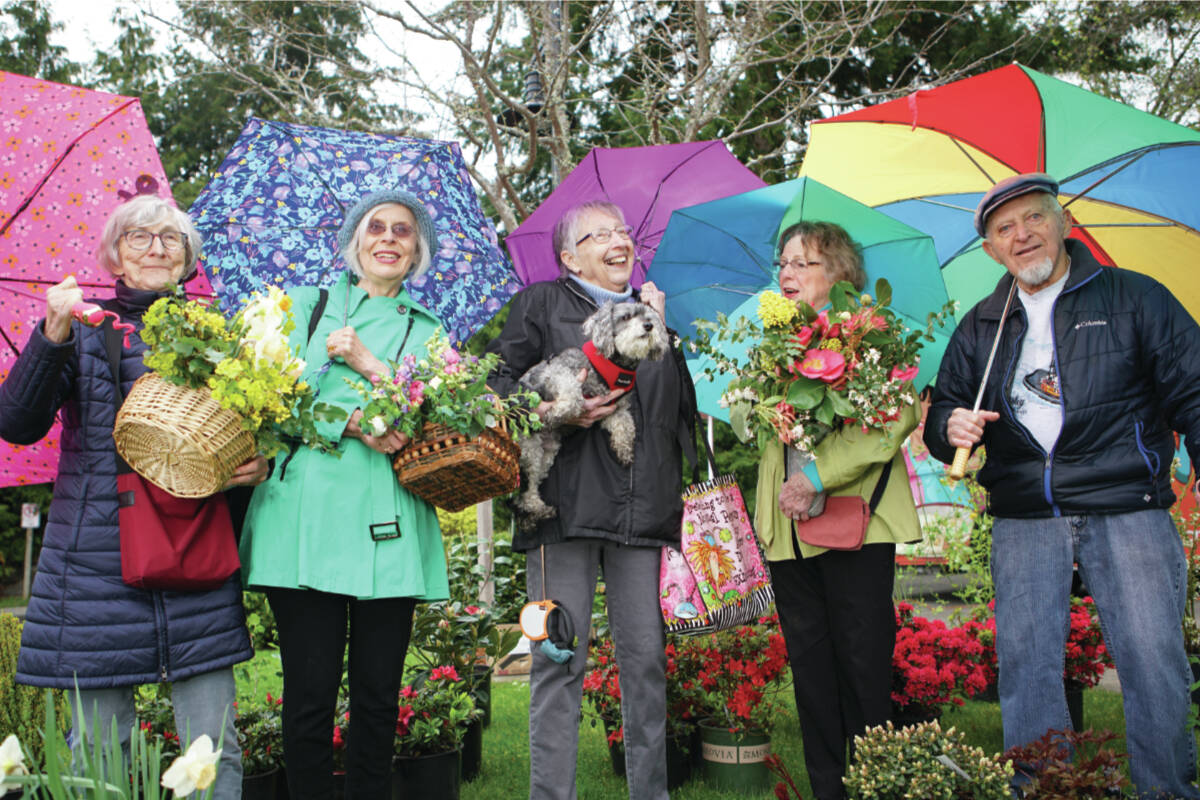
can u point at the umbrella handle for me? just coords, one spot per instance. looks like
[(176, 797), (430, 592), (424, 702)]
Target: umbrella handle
[(958, 468), (93, 315)]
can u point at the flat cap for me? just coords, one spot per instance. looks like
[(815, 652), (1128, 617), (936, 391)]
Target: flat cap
[(1007, 189)]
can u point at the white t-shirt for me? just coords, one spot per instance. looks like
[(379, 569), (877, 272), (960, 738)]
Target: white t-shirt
[(1035, 393)]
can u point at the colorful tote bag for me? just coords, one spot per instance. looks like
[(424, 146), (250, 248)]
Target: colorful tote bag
[(717, 577)]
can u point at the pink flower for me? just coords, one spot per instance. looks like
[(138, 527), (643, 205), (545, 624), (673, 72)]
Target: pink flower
[(472, 610), (451, 356), (904, 373), (444, 673), (803, 336), (416, 392), (825, 365)]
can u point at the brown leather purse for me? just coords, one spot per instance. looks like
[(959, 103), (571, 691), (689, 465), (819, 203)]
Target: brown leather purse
[(843, 523)]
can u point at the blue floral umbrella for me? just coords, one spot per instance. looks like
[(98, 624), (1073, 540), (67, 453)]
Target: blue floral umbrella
[(271, 214)]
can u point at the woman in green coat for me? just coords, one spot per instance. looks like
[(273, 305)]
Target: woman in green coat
[(333, 540), (835, 607)]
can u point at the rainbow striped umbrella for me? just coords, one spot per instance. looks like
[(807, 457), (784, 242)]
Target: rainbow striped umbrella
[(1129, 178)]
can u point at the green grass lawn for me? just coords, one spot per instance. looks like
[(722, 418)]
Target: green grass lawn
[(505, 773)]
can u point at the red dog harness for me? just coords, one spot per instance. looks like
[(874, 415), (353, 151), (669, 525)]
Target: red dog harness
[(615, 377)]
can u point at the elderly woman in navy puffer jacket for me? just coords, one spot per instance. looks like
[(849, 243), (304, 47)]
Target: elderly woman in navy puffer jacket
[(84, 625)]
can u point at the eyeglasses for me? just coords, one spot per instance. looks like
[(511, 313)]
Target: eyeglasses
[(794, 263), (137, 239), (401, 230), (602, 235)]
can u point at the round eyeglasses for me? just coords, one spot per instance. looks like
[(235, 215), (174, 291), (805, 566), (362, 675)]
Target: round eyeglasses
[(603, 235), (137, 239)]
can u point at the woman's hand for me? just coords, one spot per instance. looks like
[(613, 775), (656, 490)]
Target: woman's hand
[(652, 296), (594, 408), (796, 497), (60, 299), (393, 441), (345, 344), (252, 473)]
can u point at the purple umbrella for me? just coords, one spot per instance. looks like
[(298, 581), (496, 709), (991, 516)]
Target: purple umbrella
[(648, 183)]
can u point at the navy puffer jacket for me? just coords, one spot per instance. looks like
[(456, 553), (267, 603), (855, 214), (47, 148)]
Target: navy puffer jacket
[(1128, 354), (84, 624)]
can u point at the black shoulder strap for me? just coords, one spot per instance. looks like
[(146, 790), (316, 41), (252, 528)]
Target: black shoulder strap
[(877, 495), (112, 346), (317, 312)]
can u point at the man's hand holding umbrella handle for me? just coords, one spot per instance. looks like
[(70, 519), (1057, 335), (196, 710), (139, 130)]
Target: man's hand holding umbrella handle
[(964, 429), (60, 300)]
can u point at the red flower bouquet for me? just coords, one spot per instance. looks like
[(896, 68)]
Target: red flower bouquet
[(1086, 656)]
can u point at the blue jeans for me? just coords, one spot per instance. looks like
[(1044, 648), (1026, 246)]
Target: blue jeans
[(1134, 568), (202, 703)]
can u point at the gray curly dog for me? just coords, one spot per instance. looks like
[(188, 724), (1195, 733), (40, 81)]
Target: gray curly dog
[(624, 334)]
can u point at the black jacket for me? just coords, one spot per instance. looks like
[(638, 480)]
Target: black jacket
[(1128, 357), (595, 495)]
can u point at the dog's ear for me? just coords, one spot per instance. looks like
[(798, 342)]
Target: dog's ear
[(660, 342), (599, 328)]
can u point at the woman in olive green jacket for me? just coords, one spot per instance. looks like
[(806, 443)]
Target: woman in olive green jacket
[(835, 607)]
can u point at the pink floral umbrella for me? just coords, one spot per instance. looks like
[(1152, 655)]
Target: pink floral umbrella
[(68, 157)]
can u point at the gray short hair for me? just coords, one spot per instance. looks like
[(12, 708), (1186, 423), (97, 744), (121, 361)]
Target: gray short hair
[(566, 230), (140, 212), (420, 263)]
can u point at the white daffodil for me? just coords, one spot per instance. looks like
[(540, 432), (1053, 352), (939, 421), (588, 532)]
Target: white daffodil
[(377, 425), (193, 770), (12, 762)]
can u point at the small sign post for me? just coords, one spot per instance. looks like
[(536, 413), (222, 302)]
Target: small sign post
[(31, 520)]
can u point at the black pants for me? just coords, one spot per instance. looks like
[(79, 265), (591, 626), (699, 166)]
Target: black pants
[(840, 628), (312, 639)]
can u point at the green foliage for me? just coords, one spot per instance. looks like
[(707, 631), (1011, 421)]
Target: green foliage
[(21, 707), (454, 635), (1063, 765), (25, 48), (260, 735), (244, 362), (924, 761), (260, 621), (434, 715), (467, 575)]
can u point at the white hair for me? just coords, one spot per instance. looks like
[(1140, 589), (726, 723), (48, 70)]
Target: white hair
[(423, 258), (143, 211)]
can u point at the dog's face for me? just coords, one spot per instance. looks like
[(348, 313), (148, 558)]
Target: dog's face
[(627, 333)]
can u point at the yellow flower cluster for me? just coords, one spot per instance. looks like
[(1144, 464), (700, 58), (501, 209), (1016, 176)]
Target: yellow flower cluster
[(775, 310)]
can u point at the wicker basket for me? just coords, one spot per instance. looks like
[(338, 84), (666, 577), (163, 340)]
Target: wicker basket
[(180, 439), (452, 471)]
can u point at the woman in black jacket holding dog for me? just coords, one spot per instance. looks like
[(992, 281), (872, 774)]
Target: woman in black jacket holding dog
[(609, 516)]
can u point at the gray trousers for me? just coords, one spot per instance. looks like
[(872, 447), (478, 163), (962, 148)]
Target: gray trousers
[(556, 691)]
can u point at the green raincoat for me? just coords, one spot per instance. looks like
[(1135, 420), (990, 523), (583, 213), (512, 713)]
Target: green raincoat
[(849, 462), (309, 524)]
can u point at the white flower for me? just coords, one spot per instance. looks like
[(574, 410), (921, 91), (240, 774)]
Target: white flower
[(378, 426), (435, 382), (193, 770), (12, 761)]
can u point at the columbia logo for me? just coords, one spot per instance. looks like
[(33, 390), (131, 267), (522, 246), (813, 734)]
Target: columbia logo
[(1090, 323)]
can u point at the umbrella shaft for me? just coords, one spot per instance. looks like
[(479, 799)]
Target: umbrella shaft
[(987, 370)]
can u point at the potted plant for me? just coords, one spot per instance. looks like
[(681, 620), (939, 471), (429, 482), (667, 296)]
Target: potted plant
[(1086, 656), (433, 718), (1070, 764), (739, 670), (932, 665), (260, 736), (926, 762)]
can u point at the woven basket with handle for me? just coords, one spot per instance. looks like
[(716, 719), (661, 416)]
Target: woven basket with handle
[(453, 471), (180, 439)]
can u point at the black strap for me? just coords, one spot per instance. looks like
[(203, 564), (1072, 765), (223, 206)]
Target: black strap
[(877, 495), (112, 346), (317, 312), (696, 462)]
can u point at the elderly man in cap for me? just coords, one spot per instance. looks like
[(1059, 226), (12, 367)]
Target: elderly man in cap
[(1094, 367)]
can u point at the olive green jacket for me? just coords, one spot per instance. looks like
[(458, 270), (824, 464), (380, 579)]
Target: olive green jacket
[(849, 462)]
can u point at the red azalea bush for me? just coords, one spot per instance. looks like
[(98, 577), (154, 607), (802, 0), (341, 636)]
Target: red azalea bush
[(934, 665), (1086, 657), (726, 676), (434, 714)]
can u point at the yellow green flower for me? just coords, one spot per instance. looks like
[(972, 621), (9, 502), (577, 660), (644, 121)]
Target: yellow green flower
[(775, 310)]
